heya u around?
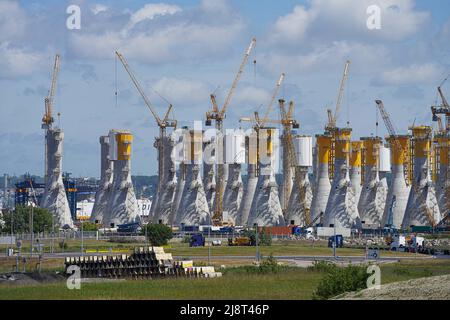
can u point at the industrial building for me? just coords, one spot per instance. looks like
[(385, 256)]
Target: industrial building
[(365, 183)]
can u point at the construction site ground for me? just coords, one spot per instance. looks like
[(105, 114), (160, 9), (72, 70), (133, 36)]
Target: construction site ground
[(294, 282)]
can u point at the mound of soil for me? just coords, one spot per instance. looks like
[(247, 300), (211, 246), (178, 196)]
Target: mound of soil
[(429, 288)]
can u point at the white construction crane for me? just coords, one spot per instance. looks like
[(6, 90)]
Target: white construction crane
[(165, 122), (219, 116)]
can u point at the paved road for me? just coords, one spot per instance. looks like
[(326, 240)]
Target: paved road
[(252, 257)]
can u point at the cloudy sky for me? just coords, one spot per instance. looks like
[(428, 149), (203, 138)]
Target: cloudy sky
[(185, 50)]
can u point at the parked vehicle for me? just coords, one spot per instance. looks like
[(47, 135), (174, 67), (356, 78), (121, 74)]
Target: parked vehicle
[(337, 240), (197, 240), (240, 241)]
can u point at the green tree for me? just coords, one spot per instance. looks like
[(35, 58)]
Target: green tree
[(339, 280), (89, 226), (20, 219), (157, 234), (264, 238)]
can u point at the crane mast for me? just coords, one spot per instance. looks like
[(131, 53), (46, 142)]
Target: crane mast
[(47, 119), (333, 119), (218, 116), (391, 130), (288, 123)]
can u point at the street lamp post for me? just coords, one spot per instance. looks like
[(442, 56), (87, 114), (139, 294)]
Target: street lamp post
[(334, 237), (32, 230), (82, 239), (256, 240), (209, 247)]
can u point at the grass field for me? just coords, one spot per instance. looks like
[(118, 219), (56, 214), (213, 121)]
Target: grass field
[(290, 284)]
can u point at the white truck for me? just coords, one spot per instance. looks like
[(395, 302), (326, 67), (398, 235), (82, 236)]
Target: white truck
[(400, 242)]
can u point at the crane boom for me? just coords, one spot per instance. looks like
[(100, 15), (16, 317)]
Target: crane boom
[(444, 101), (47, 120), (341, 93), (274, 96), (138, 87), (238, 76)]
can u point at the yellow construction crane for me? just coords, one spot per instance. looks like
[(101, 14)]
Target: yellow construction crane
[(288, 124), (165, 122), (258, 122), (162, 124), (218, 116), (47, 119), (444, 109), (331, 126), (332, 119), (391, 130)]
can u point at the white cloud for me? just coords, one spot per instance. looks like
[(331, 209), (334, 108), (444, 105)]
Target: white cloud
[(13, 20), (346, 19), (196, 33), (251, 96), (410, 75), (182, 91), (99, 8), (17, 62), (293, 26), (150, 12)]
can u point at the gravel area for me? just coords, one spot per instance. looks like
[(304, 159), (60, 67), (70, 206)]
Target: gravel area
[(429, 288)]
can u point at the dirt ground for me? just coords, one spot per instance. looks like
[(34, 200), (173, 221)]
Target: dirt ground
[(429, 288), (30, 278)]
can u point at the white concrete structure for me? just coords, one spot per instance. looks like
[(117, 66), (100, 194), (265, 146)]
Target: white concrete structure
[(266, 208), (422, 208), (193, 208), (54, 198), (122, 207), (374, 190), (234, 190), (399, 188), (301, 196), (162, 210), (341, 209), (103, 193), (322, 180)]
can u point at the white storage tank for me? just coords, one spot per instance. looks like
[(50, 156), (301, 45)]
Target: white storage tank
[(303, 150), (235, 148), (385, 159)]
